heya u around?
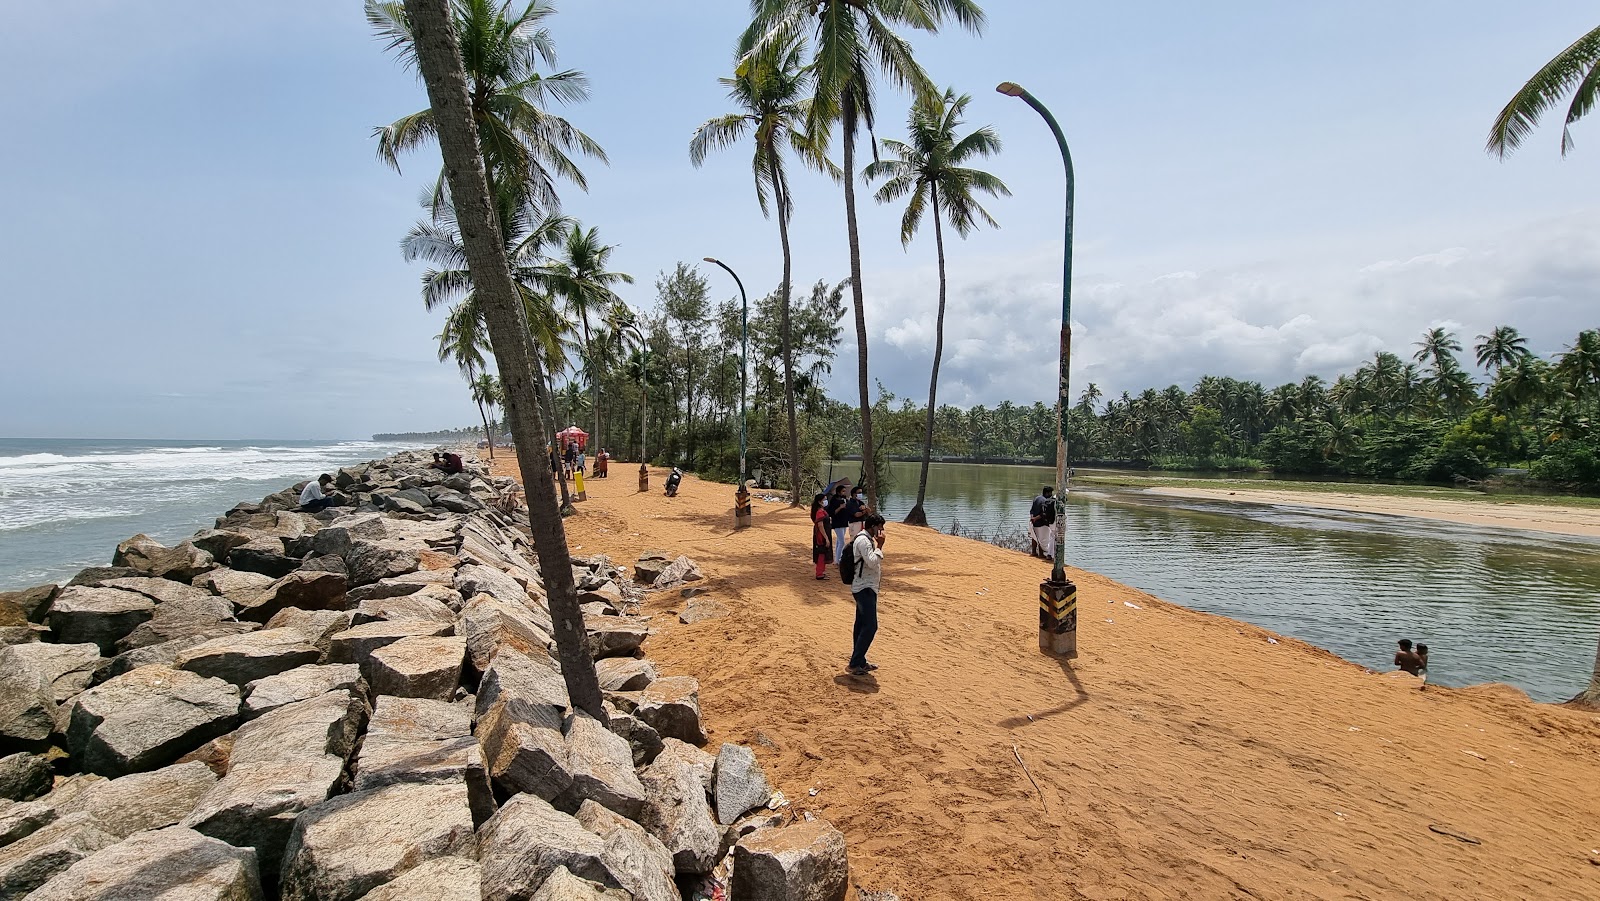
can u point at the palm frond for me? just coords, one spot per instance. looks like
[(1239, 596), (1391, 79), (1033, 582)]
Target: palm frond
[(1570, 68), (404, 134)]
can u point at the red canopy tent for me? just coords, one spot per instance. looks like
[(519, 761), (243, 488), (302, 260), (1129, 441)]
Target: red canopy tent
[(570, 434)]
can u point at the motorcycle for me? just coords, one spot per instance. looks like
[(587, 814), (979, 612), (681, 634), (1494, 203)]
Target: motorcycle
[(673, 480)]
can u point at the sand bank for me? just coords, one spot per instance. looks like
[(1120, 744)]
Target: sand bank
[(1183, 755), (1582, 521)]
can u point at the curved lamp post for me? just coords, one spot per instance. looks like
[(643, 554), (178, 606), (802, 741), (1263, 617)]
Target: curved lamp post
[(1058, 597), (741, 497)]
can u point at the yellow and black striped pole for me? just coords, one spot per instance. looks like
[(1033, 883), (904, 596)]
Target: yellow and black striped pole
[(1058, 618)]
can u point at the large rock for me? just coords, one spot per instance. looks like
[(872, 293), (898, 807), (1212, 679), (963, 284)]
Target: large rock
[(356, 644), (561, 885), (370, 561), (402, 585), (219, 542), (643, 741), (34, 603), (184, 617), (163, 654), (281, 764), (162, 591), (94, 575), (38, 857), (440, 879), (18, 820), (480, 579), (615, 636), (421, 741), (739, 785), (671, 706), (636, 859), (521, 704), (303, 589), (802, 862), (66, 668), (148, 718), (601, 766), (676, 573), (27, 708), (301, 684), (703, 764), (233, 584), (151, 558), (98, 615), (676, 813), (527, 840), (139, 801), (318, 626), (24, 776), (417, 605), (345, 847), (419, 667), (490, 625), (242, 659), (172, 864), (264, 555), (650, 566), (327, 563)]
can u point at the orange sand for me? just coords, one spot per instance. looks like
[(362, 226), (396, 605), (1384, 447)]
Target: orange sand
[(1183, 755)]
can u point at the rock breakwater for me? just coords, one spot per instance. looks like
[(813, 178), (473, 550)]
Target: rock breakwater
[(365, 703)]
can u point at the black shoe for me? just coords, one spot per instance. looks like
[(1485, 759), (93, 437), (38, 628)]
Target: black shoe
[(871, 667), (857, 671)]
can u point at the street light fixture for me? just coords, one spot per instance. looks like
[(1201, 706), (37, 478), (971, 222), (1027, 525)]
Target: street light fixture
[(1058, 597), (741, 497)]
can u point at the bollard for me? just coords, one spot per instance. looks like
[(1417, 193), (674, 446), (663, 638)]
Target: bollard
[(644, 477), (741, 508), (1058, 618), (577, 483)]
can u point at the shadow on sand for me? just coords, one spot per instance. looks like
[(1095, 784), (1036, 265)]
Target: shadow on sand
[(1015, 722)]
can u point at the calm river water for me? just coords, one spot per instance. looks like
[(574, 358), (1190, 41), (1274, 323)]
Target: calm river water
[(1492, 605)]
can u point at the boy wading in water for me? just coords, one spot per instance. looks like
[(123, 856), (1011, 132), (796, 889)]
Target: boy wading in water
[(868, 550)]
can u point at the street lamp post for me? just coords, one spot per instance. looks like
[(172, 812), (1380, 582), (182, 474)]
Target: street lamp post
[(741, 497), (1058, 597)]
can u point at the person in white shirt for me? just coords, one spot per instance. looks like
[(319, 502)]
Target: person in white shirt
[(868, 549), (313, 496)]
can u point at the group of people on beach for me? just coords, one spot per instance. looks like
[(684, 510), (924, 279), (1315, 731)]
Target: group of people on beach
[(575, 460), (843, 520)]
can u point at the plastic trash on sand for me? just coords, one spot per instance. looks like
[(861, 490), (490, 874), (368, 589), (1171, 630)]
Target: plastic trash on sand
[(1131, 604), (777, 800)]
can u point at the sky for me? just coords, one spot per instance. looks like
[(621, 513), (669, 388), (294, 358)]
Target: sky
[(199, 241)]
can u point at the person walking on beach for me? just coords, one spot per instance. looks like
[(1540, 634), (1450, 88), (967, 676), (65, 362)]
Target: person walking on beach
[(314, 496), (839, 519), (1408, 660), (1042, 516), (821, 536), (868, 550)]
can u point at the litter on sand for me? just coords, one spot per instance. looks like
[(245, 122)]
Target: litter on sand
[(1473, 754), (1272, 641), (1131, 604), (777, 800)]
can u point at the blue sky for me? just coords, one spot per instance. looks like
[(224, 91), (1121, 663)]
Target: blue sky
[(199, 241)]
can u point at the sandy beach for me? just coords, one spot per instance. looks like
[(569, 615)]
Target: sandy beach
[(1487, 512), (1183, 755)]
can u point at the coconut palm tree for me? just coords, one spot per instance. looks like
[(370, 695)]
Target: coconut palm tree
[(1578, 368), (929, 169), (852, 40), (1438, 347), (1500, 348), (1573, 71), (579, 276), (433, 47), (771, 95), (525, 148), (486, 393)]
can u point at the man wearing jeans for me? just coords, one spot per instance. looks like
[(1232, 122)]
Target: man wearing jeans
[(868, 549)]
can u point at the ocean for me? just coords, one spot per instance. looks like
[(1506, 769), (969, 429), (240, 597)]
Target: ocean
[(66, 503)]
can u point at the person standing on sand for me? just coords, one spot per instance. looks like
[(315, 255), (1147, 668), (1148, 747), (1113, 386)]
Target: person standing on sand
[(1042, 516), (821, 537), (855, 512), (839, 519), (868, 550), (601, 462), (1408, 660)]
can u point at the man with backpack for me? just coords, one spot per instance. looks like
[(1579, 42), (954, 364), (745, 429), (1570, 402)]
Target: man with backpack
[(1042, 516), (862, 569)]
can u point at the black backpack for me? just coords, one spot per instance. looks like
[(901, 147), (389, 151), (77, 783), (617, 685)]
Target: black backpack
[(847, 562)]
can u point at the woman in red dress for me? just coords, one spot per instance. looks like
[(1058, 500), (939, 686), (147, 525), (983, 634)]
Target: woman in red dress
[(821, 536)]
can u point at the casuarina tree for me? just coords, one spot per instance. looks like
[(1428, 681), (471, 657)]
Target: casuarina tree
[(852, 40), (929, 168), (438, 58)]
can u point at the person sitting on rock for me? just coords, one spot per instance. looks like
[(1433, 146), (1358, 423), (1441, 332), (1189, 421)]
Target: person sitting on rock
[(313, 497)]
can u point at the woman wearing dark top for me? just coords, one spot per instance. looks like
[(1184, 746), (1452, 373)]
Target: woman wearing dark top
[(839, 519), (821, 538)]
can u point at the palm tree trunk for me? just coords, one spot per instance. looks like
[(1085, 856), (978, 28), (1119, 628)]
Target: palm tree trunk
[(487, 436), (439, 60), (918, 516), (781, 195), (869, 466)]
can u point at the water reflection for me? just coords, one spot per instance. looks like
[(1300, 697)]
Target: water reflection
[(1493, 605)]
